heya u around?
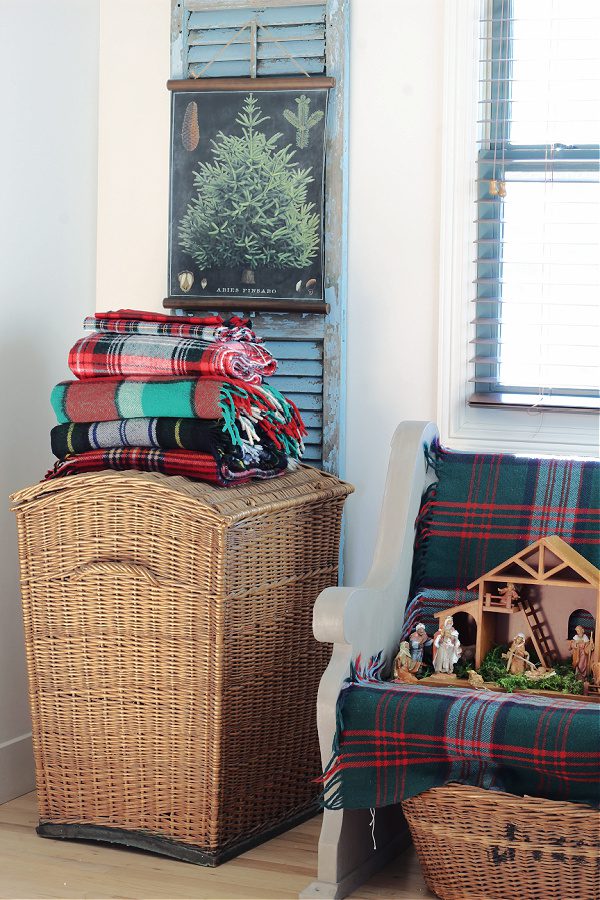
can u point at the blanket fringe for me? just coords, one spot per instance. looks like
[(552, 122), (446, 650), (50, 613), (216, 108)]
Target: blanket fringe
[(244, 406)]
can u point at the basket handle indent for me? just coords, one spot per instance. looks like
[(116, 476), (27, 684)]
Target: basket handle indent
[(113, 567)]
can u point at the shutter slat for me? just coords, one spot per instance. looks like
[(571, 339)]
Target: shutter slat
[(311, 32), (272, 15), (287, 349), (240, 68), (296, 384), (240, 50)]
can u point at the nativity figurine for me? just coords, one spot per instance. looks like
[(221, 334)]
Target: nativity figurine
[(517, 658), (581, 648), (418, 640), (509, 595), (404, 664), (446, 648)]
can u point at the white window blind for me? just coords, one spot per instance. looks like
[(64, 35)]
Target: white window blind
[(536, 328)]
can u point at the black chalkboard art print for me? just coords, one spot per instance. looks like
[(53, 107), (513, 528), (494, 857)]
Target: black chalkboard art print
[(246, 194)]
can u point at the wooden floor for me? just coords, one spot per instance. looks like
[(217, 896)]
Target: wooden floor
[(34, 868)]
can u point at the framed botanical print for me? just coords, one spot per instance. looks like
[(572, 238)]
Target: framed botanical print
[(247, 189)]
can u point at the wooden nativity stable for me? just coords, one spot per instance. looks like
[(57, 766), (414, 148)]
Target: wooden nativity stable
[(557, 589)]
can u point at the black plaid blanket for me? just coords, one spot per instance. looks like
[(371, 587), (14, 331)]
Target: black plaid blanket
[(396, 740), (205, 435)]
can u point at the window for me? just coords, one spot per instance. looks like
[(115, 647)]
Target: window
[(535, 338)]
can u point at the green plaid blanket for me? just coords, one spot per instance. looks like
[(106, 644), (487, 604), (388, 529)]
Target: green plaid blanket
[(396, 740), (484, 508)]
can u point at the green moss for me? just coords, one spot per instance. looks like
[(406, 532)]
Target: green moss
[(493, 668)]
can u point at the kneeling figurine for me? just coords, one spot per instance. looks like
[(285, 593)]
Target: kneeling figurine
[(405, 665)]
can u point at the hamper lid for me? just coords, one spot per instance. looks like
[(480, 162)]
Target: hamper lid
[(298, 486)]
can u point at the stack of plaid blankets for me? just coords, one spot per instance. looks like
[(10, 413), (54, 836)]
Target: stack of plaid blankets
[(182, 396)]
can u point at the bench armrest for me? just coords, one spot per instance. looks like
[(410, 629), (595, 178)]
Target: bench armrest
[(368, 618)]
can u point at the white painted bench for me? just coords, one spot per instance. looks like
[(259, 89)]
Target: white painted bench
[(364, 620)]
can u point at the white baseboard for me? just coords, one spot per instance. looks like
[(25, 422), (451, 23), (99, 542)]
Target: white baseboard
[(17, 773)]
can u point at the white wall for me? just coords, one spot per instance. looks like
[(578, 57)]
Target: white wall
[(48, 160), (133, 153), (395, 187)]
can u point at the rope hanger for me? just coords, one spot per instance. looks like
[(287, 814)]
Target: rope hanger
[(252, 25)]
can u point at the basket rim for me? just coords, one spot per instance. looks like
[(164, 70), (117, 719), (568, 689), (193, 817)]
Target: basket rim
[(251, 499), (481, 796)]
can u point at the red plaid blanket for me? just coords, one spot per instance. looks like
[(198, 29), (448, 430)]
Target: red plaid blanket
[(207, 328), (102, 354), (189, 463)]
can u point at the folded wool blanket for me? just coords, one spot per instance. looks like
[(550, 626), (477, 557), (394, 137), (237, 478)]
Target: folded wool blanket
[(238, 406), (205, 435), (199, 466), (100, 354), (207, 328)]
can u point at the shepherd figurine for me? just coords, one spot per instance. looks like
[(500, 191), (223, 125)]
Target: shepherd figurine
[(517, 658)]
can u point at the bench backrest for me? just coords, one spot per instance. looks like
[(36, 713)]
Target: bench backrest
[(486, 507)]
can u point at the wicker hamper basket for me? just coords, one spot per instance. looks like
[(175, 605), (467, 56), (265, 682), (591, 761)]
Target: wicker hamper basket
[(483, 845), (172, 669)]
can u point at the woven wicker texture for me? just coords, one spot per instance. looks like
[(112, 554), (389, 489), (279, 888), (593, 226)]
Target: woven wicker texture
[(172, 668), (474, 844)]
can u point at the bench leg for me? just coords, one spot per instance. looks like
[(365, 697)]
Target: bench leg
[(347, 857)]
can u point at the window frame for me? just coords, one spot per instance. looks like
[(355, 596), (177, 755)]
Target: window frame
[(525, 429), (514, 158)]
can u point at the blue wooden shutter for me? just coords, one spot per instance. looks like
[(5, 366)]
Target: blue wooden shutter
[(309, 346)]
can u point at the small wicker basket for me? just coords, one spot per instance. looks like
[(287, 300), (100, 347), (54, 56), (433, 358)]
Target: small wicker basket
[(484, 845), (172, 668)]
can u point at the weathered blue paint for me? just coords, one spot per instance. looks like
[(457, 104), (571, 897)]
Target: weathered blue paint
[(265, 67), (336, 244), (310, 348), (240, 50), (270, 15), (207, 36), (296, 349)]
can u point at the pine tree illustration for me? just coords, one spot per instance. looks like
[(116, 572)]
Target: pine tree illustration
[(251, 206)]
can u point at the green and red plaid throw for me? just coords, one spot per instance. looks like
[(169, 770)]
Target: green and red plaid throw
[(207, 328), (396, 740), (485, 508), (426, 603), (189, 463), (101, 354), (238, 406), (204, 435)]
